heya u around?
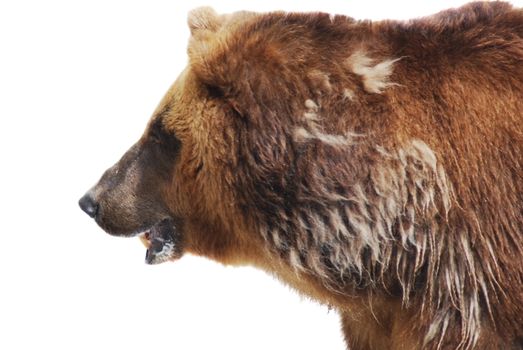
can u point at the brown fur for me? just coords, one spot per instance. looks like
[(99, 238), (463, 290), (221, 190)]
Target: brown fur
[(376, 167)]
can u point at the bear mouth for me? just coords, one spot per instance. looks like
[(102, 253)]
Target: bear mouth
[(163, 242)]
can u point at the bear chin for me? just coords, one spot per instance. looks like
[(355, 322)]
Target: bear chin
[(163, 242)]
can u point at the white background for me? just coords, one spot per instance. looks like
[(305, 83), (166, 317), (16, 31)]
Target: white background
[(78, 81)]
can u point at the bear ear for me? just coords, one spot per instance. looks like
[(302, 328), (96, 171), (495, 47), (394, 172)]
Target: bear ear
[(207, 45), (240, 60), (203, 18)]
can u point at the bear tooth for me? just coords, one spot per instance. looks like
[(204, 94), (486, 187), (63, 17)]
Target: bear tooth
[(144, 238)]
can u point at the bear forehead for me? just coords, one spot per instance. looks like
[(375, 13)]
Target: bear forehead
[(183, 104)]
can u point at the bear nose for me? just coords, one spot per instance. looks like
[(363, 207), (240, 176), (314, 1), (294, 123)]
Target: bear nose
[(88, 205)]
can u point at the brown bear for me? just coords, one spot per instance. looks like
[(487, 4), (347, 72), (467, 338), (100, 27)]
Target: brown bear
[(376, 167)]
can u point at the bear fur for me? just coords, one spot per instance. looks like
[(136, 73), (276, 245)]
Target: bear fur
[(376, 167)]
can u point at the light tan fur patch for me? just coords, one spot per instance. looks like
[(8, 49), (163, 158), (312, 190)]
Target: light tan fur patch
[(312, 130), (375, 76)]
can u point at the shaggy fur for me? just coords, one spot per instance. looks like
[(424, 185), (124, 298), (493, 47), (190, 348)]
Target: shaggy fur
[(376, 167)]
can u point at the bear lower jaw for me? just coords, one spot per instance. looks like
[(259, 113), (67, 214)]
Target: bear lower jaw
[(162, 241)]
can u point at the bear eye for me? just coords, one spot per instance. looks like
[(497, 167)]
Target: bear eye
[(155, 136), (156, 133), (161, 137)]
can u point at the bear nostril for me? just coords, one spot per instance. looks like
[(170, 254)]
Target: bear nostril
[(88, 205)]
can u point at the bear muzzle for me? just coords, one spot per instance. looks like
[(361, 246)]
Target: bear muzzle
[(162, 239)]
